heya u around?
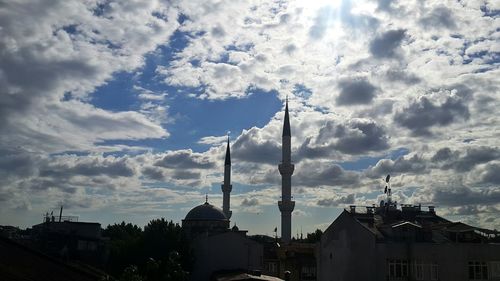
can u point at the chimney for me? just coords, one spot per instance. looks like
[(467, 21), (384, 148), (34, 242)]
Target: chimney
[(431, 210), (353, 209)]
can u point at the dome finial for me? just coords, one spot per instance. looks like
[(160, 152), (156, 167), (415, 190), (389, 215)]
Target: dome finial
[(206, 198)]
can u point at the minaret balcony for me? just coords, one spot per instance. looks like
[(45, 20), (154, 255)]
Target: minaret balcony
[(286, 168), (286, 206), (227, 187)]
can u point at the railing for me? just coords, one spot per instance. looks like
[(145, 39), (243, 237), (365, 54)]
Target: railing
[(48, 218)]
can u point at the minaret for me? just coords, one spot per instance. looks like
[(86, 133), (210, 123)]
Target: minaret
[(286, 167), (227, 186)]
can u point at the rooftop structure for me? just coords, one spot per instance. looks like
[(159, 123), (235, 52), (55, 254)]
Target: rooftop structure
[(405, 242)]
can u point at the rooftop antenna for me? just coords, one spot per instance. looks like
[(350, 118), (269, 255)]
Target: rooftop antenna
[(206, 198), (387, 189), (60, 213)]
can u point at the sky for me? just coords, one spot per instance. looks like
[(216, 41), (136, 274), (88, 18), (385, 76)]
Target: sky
[(119, 110)]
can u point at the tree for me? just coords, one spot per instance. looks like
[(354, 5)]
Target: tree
[(125, 247), (315, 236), (160, 252)]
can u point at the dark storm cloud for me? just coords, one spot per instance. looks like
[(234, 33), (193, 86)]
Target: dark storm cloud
[(186, 175), (476, 155), (359, 137), (402, 165), (446, 159), (356, 137), (386, 44), (89, 167), (290, 49), (462, 195), (443, 154), (218, 31), (466, 210), (321, 174), (381, 108), (384, 5), (336, 201), (402, 76), (249, 202), (355, 91), (438, 17), (17, 164), (422, 114), (250, 147), (491, 174), (153, 173), (184, 159), (44, 183), (308, 150)]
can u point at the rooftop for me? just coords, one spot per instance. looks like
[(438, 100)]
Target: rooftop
[(413, 222)]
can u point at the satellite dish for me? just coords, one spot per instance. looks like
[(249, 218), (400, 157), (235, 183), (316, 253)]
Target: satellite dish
[(387, 178)]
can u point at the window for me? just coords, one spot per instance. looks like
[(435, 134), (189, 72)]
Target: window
[(495, 269), (308, 273), (478, 270), (419, 271), (434, 271), (273, 267), (398, 269)]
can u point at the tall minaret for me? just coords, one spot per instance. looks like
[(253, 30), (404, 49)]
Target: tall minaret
[(286, 167), (227, 186)]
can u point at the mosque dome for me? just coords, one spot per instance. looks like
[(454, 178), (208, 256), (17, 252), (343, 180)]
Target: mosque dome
[(205, 212)]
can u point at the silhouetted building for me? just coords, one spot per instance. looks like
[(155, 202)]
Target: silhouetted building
[(240, 276), (297, 257), (205, 219), (10, 232), (407, 243), (19, 262), (231, 250), (215, 246), (68, 239)]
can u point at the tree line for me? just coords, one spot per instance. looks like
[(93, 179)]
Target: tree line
[(159, 252)]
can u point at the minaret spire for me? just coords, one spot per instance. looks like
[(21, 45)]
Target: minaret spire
[(286, 121), (286, 205), (227, 186)]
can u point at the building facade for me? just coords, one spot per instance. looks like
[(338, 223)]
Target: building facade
[(406, 243)]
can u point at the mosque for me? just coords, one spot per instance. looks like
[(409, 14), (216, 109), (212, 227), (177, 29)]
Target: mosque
[(217, 247), (386, 242)]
